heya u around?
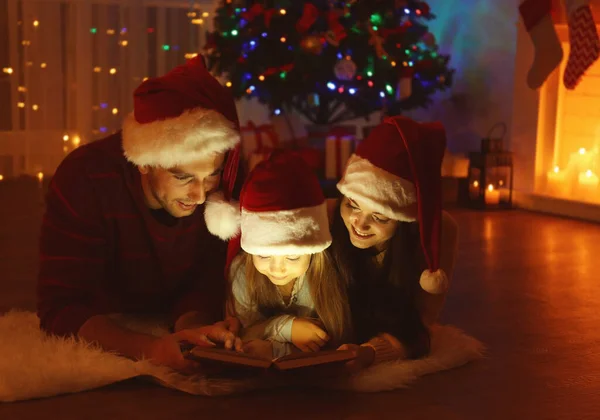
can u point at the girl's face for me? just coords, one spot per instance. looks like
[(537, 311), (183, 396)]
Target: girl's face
[(366, 227), (281, 269)]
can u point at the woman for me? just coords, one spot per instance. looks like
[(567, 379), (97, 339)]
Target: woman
[(392, 243)]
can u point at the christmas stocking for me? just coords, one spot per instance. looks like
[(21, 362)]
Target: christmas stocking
[(548, 51), (583, 38)]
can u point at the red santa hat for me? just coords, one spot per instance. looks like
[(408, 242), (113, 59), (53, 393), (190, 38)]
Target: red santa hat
[(282, 209), (396, 170), (181, 117)]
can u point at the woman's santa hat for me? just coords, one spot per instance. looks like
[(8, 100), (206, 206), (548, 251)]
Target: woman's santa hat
[(282, 209), (182, 117), (396, 170)]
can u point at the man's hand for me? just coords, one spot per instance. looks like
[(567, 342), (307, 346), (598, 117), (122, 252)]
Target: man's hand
[(308, 335), (166, 350), (259, 348), (224, 332), (365, 355)]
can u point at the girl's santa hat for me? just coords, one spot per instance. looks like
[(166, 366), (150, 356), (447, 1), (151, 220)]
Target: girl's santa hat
[(396, 170), (282, 209), (181, 117)]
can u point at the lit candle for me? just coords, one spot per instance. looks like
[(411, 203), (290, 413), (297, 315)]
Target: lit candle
[(492, 196), (556, 182), (588, 186), (474, 190)]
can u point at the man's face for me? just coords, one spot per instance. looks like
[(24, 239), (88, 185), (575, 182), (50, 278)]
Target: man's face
[(181, 189)]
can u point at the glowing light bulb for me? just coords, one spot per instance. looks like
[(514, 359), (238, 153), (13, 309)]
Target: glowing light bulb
[(113, 71), (490, 187), (261, 78), (76, 141), (228, 84), (40, 176), (283, 11), (43, 65), (97, 69), (476, 184), (21, 104), (1, 177), (282, 39), (588, 173), (205, 14), (582, 151), (66, 137), (115, 111), (556, 169), (35, 107), (124, 43), (393, 64), (7, 70), (36, 23)]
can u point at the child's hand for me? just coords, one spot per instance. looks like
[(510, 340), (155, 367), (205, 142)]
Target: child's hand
[(259, 348), (307, 335)]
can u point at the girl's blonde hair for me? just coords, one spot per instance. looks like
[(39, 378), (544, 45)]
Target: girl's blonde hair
[(326, 288)]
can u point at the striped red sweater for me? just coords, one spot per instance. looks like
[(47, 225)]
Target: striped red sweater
[(103, 251)]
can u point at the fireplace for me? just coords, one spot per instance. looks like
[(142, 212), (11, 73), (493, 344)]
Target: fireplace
[(556, 138)]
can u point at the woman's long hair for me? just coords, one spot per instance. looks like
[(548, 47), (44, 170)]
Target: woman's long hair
[(327, 291), (384, 299)]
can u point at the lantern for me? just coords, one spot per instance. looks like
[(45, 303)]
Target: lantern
[(490, 180)]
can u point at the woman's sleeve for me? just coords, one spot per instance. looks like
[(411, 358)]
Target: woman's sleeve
[(387, 348)]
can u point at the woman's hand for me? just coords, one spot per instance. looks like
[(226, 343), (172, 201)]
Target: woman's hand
[(308, 335), (259, 348), (365, 355)]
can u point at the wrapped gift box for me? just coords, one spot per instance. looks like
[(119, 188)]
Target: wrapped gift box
[(257, 138), (338, 150)]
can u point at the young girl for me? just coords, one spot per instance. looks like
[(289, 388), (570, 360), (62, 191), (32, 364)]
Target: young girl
[(392, 243), (286, 291)]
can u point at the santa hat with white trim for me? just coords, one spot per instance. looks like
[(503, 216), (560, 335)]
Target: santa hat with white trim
[(396, 170), (283, 210), (181, 117)]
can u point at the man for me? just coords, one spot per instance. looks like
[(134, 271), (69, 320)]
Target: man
[(124, 230)]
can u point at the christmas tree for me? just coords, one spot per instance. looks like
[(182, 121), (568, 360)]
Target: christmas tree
[(329, 60)]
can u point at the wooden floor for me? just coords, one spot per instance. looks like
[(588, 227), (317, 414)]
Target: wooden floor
[(525, 284)]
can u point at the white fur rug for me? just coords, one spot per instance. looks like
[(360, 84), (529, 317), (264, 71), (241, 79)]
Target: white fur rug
[(35, 365)]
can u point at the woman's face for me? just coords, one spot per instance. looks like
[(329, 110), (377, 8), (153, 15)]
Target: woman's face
[(366, 227), (281, 269)]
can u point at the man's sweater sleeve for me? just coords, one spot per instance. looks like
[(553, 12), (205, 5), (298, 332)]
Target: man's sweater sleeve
[(72, 251), (206, 294)]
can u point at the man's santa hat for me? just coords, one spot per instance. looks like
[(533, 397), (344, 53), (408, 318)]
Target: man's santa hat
[(181, 117), (396, 170), (282, 209)]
